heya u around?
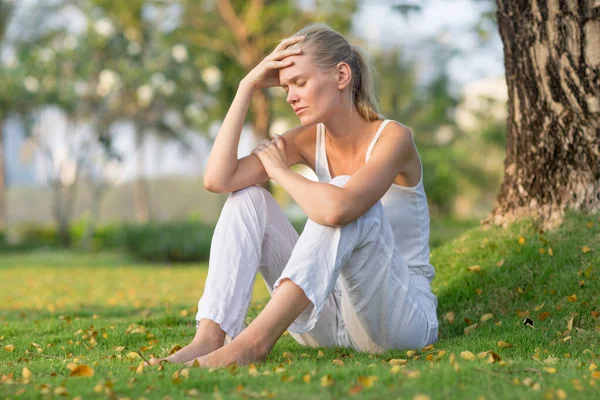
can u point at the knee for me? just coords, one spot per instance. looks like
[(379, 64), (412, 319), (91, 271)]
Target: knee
[(250, 195), (340, 180)]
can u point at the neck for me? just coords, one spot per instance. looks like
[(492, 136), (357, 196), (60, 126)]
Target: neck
[(349, 133)]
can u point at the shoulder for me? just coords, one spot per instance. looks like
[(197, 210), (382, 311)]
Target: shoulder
[(396, 142), (397, 135), (301, 141)]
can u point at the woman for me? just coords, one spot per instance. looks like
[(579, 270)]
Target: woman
[(359, 275)]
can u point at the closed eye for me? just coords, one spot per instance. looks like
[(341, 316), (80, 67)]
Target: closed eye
[(299, 85)]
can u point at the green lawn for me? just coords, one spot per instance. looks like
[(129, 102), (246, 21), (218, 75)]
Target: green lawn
[(61, 309)]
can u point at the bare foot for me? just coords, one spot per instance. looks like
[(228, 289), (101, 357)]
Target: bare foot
[(190, 352), (238, 352)]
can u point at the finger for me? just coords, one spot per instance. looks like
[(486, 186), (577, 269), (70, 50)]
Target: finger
[(286, 53), (288, 41), (280, 64)]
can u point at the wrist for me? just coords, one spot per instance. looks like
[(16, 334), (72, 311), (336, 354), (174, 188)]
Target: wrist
[(247, 87), (277, 173)]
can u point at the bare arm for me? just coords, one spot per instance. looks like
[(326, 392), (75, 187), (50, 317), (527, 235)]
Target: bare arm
[(223, 161), (224, 172)]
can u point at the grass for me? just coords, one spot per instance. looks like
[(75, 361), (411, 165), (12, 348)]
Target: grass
[(58, 309)]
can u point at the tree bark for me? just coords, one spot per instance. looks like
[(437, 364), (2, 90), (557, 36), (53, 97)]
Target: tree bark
[(141, 200), (552, 61)]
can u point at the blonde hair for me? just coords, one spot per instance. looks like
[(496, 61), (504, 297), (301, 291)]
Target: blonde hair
[(327, 48)]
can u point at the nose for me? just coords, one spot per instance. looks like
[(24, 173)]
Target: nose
[(291, 97)]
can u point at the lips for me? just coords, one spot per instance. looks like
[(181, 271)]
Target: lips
[(299, 109)]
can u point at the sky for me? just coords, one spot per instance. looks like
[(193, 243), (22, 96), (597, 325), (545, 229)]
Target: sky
[(376, 27), (447, 21)]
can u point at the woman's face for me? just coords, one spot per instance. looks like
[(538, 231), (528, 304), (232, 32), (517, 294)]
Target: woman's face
[(310, 88)]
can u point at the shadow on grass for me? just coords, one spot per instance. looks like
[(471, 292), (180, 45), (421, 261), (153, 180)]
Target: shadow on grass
[(517, 273)]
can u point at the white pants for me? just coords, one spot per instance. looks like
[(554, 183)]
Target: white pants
[(361, 291)]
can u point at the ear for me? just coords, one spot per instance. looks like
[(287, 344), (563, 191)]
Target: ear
[(343, 75)]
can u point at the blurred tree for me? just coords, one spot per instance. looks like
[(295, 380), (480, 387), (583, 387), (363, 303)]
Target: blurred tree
[(552, 61), (6, 9), (233, 36)]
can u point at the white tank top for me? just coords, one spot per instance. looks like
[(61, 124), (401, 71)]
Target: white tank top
[(405, 207)]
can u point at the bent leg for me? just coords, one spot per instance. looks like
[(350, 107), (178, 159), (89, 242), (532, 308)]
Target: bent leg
[(380, 308)]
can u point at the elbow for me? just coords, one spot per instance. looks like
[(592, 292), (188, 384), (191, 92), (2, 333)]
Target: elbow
[(211, 186), (336, 217)]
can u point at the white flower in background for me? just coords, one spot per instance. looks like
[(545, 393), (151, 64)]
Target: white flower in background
[(179, 53), (70, 42), (68, 173), (113, 172), (104, 27), (10, 60), (168, 88), (31, 84), (171, 118), (212, 76), (81, 88), (193, 111), (108, 81), (134, 48), (444, 135), (157, 79), (144, 95), (46, 54)]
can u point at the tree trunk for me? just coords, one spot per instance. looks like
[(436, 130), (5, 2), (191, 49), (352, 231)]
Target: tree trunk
[(98, 194), (552, 61), (141, 201), (60, 214), (261, 123), (2, 180)]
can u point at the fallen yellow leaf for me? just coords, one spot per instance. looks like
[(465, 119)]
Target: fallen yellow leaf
[(470, 329), (449, 316), (486, 316), (367, 381), (421, 397), (9, 347), (82, 370), (355, 389), (26, 373), (320, 354), (338, 362), (474, 268), (585, 249), (572, 298), (561, 394), (326, 380), (500, 263), (398, 361), (306, 378), (504, 345), (467, 355), (550, 370), (521, 240)]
